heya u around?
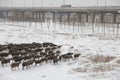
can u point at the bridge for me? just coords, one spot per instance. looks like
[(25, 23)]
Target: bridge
[(89, 14), (65, 9)]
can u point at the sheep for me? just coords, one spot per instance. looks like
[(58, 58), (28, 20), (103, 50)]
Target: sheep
[(46, 44), (15, 54), (27, 57), (38, 50), (69, 54), (19, 59), (27, 64), (4, 54), (15, 65), (44, 60), (31, 53), (68, 57), (65, 57), (76, 55), (5, 61), (55, 61), (38, 62)]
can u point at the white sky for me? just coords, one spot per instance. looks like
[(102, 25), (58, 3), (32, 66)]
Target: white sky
[(57, 3)]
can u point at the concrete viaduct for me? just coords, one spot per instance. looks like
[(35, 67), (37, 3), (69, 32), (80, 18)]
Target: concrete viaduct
[(40, 13)]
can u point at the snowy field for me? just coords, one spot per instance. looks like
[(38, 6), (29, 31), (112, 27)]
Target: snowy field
[(99, 60)]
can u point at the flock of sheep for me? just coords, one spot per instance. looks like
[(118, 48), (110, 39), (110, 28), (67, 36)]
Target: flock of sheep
[(32, 54)]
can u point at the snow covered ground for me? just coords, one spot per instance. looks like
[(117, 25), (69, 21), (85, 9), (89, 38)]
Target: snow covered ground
[(100, 59)]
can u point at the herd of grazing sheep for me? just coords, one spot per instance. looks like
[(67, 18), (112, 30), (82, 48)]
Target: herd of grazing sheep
[(32, 54)]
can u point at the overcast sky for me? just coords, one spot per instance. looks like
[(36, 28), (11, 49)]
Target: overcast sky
[(57, 3)]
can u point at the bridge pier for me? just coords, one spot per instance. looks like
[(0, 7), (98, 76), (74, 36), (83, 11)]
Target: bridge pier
[(39, 17), (68, 17), (114, 18), (43, 17), (0, 14), (118, 17), (16, 16), (3, 16), (4, 13), (32, 17), (35, 18), (86, 17), (60, 17), (93, 18), (23, 17), (102, 17), (79, 17), (53, 16)]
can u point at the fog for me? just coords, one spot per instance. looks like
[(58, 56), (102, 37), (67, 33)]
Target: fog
[(57, 3)]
